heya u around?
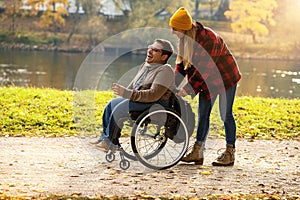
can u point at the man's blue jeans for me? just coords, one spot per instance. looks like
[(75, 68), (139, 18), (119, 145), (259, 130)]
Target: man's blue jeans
[(226, 100), (119, 108)]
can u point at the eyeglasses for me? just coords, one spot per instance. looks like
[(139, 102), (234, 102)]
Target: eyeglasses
[(150, 47)]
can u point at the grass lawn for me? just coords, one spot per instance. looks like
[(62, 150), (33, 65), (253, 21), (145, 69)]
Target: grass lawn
[(54, 113)]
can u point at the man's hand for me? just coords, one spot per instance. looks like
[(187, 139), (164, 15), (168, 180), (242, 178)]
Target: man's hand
[(118, 89)]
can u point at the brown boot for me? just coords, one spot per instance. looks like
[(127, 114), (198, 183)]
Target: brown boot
[(106, 146), (226, 158), (195, 156), (103, 146)]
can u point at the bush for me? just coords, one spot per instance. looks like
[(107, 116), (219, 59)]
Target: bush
[(54, 40), (4, 37), (23, 39)]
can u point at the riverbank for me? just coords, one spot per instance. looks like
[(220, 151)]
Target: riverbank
[(82, 48), (239, 48)]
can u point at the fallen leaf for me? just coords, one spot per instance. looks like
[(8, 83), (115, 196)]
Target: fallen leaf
[(76, 194), (39, 191), (205, 172)]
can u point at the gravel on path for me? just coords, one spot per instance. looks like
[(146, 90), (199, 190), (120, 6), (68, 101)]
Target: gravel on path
[(32, 166)]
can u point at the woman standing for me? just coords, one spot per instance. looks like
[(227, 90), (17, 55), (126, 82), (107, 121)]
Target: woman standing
[(211, 71)]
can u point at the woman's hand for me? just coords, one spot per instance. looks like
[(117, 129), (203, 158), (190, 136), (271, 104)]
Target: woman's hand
[(182, 93), (118, 89)]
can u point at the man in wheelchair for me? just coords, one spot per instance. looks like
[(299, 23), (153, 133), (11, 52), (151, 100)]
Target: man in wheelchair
[(152, 85)]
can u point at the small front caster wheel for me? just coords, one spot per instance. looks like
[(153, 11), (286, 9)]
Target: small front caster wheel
[(124, 164), (110, 157)]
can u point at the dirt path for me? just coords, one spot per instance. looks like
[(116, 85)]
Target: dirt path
[(41, 166)]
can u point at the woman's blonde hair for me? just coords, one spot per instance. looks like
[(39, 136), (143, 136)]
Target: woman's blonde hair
[(186, 48)]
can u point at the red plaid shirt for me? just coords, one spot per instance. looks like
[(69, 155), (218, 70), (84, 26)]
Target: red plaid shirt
[(214, 68)]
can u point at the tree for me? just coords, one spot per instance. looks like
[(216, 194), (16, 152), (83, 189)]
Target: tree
[(252, 16), (74, 21), (93, 23), (207, 8), (12, 11), (53, 17), (223, 7), (148, 13)]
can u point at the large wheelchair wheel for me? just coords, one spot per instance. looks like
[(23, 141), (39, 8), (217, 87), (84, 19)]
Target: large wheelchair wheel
[(124, 142), (151, 143)]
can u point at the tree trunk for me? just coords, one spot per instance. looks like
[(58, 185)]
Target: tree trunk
[(196, 9), (75, 22), (254, 38), (223, 7)]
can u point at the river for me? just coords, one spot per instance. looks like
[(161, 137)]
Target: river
[(264, 78)]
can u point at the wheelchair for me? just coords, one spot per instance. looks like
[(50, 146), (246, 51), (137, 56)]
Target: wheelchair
[(157, 137)]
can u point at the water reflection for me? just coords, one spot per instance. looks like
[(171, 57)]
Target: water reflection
[(269, 78), (265, 78), (39, 69)]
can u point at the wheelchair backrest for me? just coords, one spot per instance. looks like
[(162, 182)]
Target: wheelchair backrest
[(184, 109)]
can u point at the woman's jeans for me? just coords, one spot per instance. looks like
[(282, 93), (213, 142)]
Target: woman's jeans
[(226, 100), (119, 108)]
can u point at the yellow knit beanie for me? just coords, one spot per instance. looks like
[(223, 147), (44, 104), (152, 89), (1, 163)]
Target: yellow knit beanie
[(181, 19)]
